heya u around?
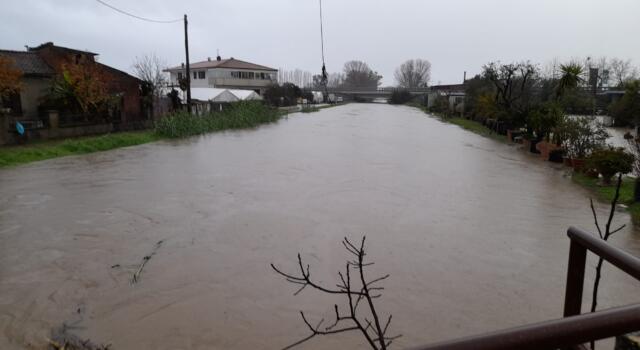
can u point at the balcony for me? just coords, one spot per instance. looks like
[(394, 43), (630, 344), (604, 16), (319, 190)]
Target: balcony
[(234, 82)]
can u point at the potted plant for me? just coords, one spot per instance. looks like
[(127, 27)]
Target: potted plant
[(610, 161)]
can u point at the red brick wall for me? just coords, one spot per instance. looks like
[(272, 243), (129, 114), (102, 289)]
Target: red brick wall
[(118, 82)]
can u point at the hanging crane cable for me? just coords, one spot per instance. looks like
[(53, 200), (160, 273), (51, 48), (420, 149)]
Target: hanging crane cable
[(135, 16), (325, 76)]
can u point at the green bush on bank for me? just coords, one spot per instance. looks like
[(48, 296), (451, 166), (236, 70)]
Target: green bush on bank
[(240, 115), (14, 155)]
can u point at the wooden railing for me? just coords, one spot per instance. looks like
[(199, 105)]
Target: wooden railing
[(575, 329)]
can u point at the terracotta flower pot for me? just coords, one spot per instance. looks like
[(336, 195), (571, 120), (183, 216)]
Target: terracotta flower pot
[(577, 164), (545, 149)]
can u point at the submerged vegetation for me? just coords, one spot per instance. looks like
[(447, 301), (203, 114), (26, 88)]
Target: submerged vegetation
[(14, 155), (238, 116)]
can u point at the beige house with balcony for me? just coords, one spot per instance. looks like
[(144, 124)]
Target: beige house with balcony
[(228, 73)]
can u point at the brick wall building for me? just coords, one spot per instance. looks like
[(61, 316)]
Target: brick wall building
[(118, 82)]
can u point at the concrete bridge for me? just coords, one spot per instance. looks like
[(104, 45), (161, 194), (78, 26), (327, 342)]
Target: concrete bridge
[(374, 93)]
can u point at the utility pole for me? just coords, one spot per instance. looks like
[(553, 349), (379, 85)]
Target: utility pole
[(188, 72)]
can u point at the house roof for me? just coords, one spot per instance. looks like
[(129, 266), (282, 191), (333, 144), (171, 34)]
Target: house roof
[(223, 63), (29, 63), (223, 95), (51, 44), (117, 71)]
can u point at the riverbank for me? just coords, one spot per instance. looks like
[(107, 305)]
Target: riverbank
[(467, 124), (242, 116), (606, 193), (602, 193), (15, 155)]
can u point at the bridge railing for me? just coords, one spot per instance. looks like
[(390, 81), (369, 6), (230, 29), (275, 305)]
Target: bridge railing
[(574, 330), (381, 90)]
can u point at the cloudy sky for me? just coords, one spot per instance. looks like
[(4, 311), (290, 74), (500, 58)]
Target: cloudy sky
[(455, 35)]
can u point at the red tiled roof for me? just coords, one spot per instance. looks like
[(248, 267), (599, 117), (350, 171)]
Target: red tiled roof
[(225, 63)]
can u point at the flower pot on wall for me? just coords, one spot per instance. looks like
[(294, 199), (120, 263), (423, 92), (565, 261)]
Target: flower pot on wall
[(577, 164), (545, 148)]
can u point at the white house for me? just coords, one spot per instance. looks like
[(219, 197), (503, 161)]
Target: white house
[(228, 73)]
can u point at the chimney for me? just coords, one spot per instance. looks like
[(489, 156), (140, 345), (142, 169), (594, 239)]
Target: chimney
[(182, 64), (218, 58), (209, 59)]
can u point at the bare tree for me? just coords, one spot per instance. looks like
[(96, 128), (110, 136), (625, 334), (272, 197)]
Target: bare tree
[(621, 71), (605, 237), (413, 74), (149, 69), (357, 74), (358, 290)]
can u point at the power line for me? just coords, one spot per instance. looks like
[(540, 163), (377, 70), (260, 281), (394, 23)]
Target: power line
[(137, 17)]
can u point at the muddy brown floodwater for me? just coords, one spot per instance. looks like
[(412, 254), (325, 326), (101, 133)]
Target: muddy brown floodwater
[(472, 232)]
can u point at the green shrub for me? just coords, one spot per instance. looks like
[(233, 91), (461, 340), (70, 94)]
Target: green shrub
[(611, 161), (399, 97), (240, 115)]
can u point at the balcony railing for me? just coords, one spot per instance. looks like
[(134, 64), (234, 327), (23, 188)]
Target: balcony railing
[(574, 330)]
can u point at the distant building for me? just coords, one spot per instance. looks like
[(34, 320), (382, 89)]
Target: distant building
[(228, 73), (452, 94)]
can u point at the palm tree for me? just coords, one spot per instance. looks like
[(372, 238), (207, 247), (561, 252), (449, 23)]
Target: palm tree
[(571, 77)]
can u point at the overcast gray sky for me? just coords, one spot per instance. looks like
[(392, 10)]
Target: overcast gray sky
[(455, 35)]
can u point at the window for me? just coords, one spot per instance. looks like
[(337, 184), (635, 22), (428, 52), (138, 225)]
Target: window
[(179, 75), (195, 75), (201, 75)]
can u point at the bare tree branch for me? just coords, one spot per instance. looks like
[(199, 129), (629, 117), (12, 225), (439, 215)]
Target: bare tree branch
[(373, 331)]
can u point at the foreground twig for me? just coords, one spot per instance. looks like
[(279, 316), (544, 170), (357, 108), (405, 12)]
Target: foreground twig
[(61, 339), (604, 236), (374, 332), (136, 276)]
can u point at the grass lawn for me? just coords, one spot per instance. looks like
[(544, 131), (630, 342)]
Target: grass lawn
[(14, 155), (475, 127), (467, 124), (606, 193)]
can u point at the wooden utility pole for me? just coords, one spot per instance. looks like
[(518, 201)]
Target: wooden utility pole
[(188, 72)]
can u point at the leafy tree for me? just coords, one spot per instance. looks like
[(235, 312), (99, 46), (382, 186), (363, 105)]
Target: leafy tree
[(582, 136), (626, 110), (286, 94), (544, 118), (80, 87), (571, 77), (9, 77), (413, 74), (358, 75), (400, 97), (610, 161), (480, 98), (514, 85)]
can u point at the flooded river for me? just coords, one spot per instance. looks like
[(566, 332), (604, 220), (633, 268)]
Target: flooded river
[(472, 232)]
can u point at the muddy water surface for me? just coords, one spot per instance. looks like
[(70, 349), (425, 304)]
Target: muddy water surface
[(472, 232)]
